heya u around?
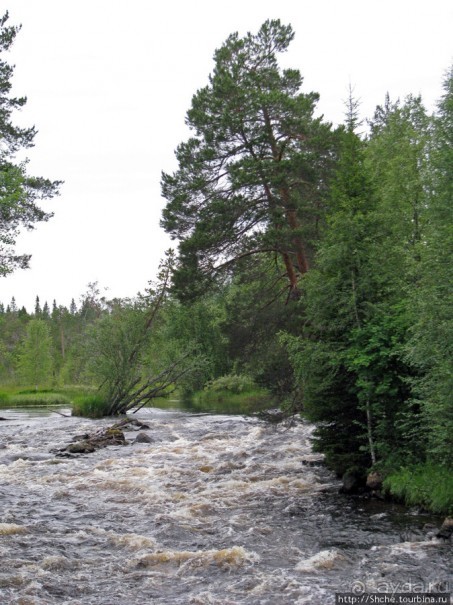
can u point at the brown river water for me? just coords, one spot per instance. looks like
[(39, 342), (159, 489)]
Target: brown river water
[(223, 510)]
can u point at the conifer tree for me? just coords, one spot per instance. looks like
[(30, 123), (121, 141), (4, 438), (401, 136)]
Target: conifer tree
[(20, 193)]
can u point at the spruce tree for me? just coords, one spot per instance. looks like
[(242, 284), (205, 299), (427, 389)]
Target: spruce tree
[(431, 345)]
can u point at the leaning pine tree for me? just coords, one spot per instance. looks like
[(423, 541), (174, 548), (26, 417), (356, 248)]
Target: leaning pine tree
[(251, 180)]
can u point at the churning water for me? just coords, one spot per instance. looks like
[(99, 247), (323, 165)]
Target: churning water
[(222, 510)]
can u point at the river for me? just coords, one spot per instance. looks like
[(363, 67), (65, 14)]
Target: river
[(223, 510)]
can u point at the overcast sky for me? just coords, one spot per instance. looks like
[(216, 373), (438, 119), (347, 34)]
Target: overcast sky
[(108, 86)]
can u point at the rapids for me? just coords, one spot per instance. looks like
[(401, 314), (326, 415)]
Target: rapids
[(223, 510)]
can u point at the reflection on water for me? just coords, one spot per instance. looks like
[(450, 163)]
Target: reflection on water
[(214, 405), (216, 510), (21, 413)]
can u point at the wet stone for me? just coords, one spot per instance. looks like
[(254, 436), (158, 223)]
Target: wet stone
[(143, 438)]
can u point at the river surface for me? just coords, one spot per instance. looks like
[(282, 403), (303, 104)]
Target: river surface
[(223, 510)]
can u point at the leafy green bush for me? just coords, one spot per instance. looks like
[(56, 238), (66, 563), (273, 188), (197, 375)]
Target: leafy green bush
[(232, 383), (425, 485), (232, 393)]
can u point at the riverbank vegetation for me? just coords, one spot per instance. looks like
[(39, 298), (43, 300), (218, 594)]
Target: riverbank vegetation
[(313, 271)]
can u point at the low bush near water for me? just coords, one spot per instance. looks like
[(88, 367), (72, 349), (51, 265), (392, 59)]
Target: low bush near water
[(232, 383), (233, 393), (425, 485)]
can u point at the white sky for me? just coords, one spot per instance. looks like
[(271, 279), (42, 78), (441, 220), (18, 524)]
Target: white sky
[(108, 86)]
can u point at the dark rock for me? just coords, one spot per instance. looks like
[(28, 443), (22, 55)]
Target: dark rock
[(353, 483), (143, 438), (446, 530), (374, 481)]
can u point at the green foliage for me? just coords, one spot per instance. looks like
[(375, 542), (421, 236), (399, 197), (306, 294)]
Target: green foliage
[(426, 485), (232, 383), (328, 396), (35, 359), (257, 308), (231, 394), (129, 360), (199, 325), (430, 348)]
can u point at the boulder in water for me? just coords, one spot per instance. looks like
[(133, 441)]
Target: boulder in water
[(143, 438), (374, 481)]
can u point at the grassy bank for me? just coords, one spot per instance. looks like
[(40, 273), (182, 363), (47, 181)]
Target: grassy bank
[(32, 398), (82, 400), (426, 485)]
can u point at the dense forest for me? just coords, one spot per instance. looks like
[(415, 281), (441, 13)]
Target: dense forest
[(313, 269)]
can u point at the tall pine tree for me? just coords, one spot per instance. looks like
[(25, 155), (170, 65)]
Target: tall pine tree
[(252, 179)]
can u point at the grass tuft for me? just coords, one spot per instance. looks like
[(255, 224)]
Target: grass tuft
[(90, 406)]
